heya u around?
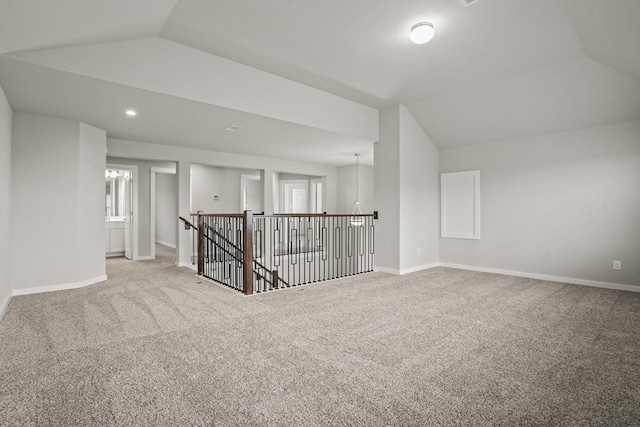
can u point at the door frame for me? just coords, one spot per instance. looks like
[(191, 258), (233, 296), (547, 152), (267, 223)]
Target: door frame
[(134, 197)]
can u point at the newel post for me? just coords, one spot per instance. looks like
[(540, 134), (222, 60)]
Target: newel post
[(247, 250), (200, 244)]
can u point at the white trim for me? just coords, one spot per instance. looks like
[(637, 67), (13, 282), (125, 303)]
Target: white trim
[(188, 265), (134, 223), (406, 270), (5, 305), (170, 245), (475, 183), (114, 254), (152, 206), (419, 268), (62, 287), (386, 270), (549, 278), (144, 258), (546, 277)]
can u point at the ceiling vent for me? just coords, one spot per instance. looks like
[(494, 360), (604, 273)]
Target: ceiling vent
[(233, 128), (469, 2)]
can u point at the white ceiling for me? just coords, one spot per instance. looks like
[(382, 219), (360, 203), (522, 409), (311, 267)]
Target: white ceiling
[(498, 69)]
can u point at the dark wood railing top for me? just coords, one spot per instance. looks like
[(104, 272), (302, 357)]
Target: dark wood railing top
[(188, 223), (222, 215), (311, 215), (280, 215)]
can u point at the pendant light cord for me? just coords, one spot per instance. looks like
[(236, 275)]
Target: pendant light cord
[(357, 179)]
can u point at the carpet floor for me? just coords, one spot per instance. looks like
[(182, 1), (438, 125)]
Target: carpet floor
[(156, 345)]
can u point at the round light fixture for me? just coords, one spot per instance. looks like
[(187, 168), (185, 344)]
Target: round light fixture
[(131, 113), (422, 32)]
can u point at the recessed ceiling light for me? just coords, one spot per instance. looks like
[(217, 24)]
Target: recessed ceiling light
[(422, 32), (131, 113), (468, 2), (233, 128)]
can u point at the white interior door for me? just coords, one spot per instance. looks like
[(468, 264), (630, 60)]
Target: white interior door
[(299, 200), (128, 216), (294, 197)]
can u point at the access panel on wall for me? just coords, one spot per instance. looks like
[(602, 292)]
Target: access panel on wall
[(460, 205)]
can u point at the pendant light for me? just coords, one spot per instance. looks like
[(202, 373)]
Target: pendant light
[(356, 219)]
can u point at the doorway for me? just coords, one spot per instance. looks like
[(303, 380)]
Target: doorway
[(163, 212), (299, 193), (121, 211), (295, 197)]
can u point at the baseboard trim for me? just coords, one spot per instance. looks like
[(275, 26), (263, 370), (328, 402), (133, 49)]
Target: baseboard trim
[(188, 265), (166, 244), (420, 268), (386, 270), (113, 254), (5, 305), (406, 270), (573, 281), (61, 287), (144, 258)]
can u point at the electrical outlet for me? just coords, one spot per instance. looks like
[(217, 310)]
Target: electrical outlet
[(617, 265)]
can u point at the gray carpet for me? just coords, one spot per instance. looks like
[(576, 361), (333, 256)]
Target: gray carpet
[(156, 345)]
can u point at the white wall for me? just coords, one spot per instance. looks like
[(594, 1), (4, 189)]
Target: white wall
[(563, 205), (407, 194), (207, 181), (166, 209), (254, 193), (419, 196), (347, 188), (386, 186), (92, 160), (5, 202), (142, 150), (52, 164), (45, 179)]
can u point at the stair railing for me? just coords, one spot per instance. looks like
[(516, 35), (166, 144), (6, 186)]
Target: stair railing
[(259, 253)]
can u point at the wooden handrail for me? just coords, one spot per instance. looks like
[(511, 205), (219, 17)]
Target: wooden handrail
[(187, 224), (224, 239), (259, 264), (263, 215), (237, 256), (321, 215)]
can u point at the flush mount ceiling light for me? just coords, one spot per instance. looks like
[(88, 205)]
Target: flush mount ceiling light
[(131, 113), (422, 32), (233, 128)]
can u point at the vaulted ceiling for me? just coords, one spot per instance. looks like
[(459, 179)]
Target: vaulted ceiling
[(305, 79)]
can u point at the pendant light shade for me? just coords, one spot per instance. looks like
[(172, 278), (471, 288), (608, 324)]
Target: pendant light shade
[(356, 219)]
